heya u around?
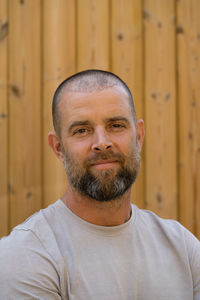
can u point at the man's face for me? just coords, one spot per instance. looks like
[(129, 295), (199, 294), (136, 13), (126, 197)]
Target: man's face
[(99, 143)]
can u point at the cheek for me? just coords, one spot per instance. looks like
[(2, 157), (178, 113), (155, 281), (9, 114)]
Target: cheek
[(78, 148), (125, 144)]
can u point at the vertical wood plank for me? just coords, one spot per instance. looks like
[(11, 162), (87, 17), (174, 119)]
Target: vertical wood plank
[(160, 107), (127, 62), (188, 37), (58, 63), (3, 119), (24, 109), (93, 34)]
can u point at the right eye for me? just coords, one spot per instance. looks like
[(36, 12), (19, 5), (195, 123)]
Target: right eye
[(81, 131)]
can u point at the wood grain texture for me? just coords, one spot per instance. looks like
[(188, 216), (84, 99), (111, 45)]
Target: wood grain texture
[(160, 107), (188, 37), (145, 42), (92, 34), (127, 62), (3, 118), (58, 63), (24, 109)]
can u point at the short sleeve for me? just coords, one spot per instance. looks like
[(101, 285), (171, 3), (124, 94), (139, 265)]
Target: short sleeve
[(193, 246), (27, 271)]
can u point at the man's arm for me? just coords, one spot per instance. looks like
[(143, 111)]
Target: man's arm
[(27, 271), (193, 246), (195, 265)]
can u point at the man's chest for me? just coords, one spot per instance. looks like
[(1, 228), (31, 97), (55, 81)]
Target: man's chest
[(127, 271)]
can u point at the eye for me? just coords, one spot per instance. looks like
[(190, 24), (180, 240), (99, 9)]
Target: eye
[(117, 126), (81, 131)]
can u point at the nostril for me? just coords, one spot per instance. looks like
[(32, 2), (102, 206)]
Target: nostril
[(101, 148), (97, 149)]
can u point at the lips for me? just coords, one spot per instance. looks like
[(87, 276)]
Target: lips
[(104, 164)]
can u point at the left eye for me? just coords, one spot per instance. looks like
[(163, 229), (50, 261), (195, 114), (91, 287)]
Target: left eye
[(116, 125)]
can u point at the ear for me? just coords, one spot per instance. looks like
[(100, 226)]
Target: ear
[(140, 133), (55, 144)]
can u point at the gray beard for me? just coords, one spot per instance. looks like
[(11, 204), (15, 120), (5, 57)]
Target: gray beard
[(105, 186)]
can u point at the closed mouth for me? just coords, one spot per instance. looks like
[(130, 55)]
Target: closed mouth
[(104, 164)]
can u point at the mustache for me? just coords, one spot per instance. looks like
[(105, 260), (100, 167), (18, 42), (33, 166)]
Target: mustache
[(104, 156)]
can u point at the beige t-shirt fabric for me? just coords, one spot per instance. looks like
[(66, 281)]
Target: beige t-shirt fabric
[(57, 255)]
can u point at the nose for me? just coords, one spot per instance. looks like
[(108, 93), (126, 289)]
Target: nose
[(101, 141)]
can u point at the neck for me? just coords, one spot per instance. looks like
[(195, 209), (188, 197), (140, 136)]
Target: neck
[(103, 213)]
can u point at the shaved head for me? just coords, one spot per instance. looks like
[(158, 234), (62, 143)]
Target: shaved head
[(87, 82)]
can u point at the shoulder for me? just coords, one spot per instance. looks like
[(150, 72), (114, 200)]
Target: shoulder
[(166, 229), (29, 260), (34, 233), (146, 217), (26, 268), (172, 239)]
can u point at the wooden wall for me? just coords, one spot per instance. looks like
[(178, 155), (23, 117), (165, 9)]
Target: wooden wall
[(154, 45)]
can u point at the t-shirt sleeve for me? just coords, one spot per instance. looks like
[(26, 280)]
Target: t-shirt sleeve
[(193, 245), (27, 271), (196, 272)]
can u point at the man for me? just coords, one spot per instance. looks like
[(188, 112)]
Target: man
[(92, 243)]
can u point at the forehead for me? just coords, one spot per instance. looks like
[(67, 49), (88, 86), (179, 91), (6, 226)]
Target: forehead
[(106, 103)]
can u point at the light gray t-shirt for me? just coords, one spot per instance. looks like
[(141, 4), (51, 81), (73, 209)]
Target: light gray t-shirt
[(57, 255)]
